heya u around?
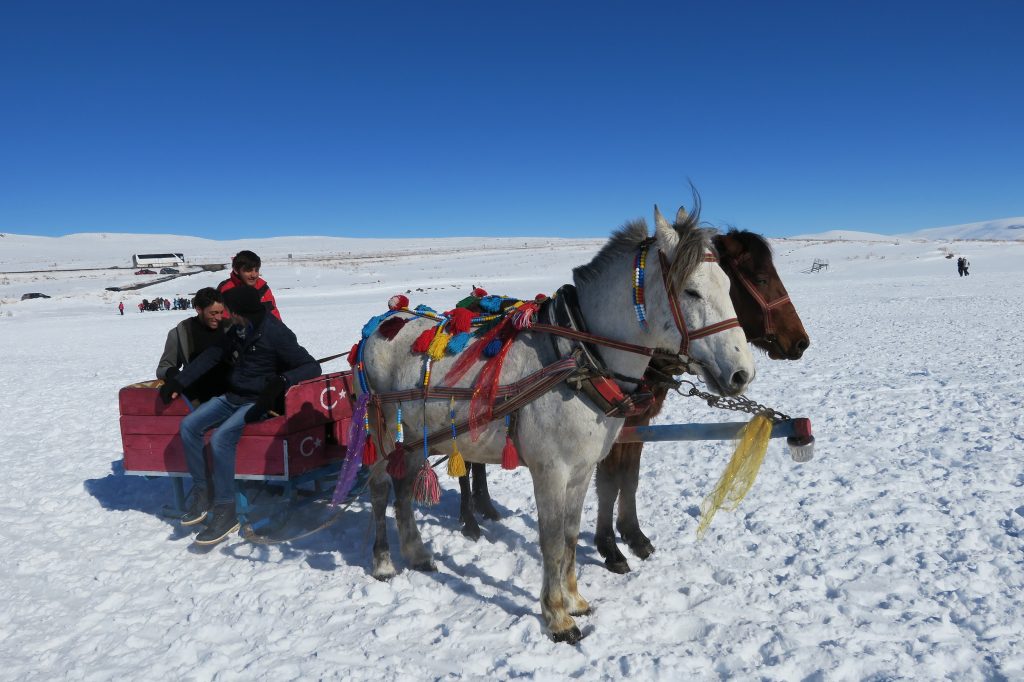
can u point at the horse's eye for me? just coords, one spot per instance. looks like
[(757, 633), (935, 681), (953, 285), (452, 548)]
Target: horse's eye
[(762, 280), (693, 293)]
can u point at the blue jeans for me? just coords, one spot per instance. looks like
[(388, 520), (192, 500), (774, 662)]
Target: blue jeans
[(230, 419)]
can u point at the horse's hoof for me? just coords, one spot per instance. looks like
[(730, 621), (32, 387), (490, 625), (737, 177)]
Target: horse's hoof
[(586, 611), (490, 513), (570, 636), (426, 566), (615, 566), (641, 547), (471, 531), (384, 576)]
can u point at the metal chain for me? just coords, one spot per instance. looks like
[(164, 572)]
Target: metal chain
[(738, 403)]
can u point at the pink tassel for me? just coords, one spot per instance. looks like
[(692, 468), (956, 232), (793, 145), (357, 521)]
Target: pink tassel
[(422, 342), (390, 327), (426, 489), (353, 355), (396, 462), (509, 455)]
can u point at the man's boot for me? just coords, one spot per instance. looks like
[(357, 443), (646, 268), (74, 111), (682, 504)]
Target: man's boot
[(223, 522), (198, 505)]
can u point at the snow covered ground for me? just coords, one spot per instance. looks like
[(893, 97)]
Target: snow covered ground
[(898, 552)]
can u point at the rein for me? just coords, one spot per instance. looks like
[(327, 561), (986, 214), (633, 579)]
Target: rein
[(767, 307)]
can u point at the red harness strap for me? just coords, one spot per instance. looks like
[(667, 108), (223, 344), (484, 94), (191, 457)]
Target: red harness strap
[(677, 314)]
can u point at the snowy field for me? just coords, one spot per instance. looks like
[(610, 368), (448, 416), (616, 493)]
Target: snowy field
[(897, 552)]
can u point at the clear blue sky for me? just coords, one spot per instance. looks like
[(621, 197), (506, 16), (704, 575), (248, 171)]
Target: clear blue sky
[(376, 118)]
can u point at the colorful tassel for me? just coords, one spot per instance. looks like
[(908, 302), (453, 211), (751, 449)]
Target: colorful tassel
[(422, 308), (369, 452), (390, 327), (493, 347), (509, 454), (426, 489), (479, 292), (422, 342), (398, 301), (490, 304), (438, 344), (353, 355), (459, 343), (456, 464), (396, 462), (372, 324), (459, 320), (523, 317)]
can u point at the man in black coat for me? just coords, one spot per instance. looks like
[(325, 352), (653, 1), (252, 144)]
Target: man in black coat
[(265, 360)]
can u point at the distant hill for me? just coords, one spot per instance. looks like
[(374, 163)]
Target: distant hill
[(1004, 229)]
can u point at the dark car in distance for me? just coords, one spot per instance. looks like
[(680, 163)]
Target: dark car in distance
[(168, 271), (26, 297), (145, 271)]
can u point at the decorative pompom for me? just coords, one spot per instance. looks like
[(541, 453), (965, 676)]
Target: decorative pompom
[(398, 301), (396, 462), (522, 318), (456, 465), (422, 342), (438, 344), (390, 327), (426, 489), (369, 452), (372, 324), (353, 355), (509, 455), (491, 304), (459, 343), (479, 292), (540, 298), (459, 320), (493, 348)]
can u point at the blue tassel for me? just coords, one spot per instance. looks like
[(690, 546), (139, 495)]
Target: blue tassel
[(458, 343), (493, 348), (372, 324), (421, 308), (490, 304)]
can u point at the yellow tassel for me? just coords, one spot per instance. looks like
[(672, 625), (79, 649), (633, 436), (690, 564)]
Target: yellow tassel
[(439, 344), (740, 473), (456, 465)]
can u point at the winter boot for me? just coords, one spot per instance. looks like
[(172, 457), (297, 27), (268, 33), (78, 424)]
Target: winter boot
[(222, 523), (199, 503)]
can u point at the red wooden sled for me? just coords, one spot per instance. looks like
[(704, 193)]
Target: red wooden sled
[(306, 443)]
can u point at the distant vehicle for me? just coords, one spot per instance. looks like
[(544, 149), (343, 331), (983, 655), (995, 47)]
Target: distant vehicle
[(145, 271), (169, 271), (26, 297)]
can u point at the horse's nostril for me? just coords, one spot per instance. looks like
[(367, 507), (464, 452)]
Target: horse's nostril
[(740, 378), (802, 344)]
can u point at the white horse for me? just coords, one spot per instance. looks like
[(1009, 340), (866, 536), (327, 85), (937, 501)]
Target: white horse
[(562, 435)]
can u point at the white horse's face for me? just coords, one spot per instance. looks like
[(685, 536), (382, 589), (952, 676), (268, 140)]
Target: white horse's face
[(724, 359)]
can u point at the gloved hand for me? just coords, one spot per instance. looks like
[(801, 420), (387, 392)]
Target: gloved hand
[(274, 387), (170, 389), (171, 372)]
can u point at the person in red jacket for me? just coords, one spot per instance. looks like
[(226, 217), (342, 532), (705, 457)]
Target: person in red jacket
[(245, 271)]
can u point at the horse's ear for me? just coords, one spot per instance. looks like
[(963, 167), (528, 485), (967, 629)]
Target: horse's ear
[(681, 215), (667, 236)]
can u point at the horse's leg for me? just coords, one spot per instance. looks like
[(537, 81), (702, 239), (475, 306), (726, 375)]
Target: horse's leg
[(627, 523), (383, 568), (549, 487), (410, 542), (607, 482), (575, 494), (481, 497), (470, 528)]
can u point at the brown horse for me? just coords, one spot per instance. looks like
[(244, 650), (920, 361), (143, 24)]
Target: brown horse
[(770, 322)]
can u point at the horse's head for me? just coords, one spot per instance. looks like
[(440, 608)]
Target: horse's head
[(765, 312), (700, 289)]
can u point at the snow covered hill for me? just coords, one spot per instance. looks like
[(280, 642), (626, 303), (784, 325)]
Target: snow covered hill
[(898, 552), (1005, 229)]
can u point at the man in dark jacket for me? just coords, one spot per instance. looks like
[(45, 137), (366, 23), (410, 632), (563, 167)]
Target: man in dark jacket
[(189, 338), (266, 359)]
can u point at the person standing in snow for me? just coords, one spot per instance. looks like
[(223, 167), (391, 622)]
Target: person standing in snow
[(189, 338), (967, 265), (960, 265), (245, 270), (266, 359), (120, 307)]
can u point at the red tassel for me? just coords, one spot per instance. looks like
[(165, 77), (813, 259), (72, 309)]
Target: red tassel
[(369, 452), (479, 292), (396, 462), (398, 301), (459, 320), (509, 455), (390, 327), (422, 342), (353, 355), (426, 489)]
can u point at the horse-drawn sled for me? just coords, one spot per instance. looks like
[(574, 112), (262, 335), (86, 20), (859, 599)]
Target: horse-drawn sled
[(548, 383)]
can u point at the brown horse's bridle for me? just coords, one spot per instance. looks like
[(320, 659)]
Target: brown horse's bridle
[(677, 314), (767, 307)]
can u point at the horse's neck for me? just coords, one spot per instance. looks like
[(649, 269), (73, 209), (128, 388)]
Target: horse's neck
[(607, 307)]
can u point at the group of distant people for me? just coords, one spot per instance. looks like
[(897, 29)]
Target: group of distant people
[(963, 266), (156, 304), (234, 359)]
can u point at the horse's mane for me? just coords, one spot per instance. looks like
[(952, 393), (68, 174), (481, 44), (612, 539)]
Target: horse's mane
[(694, 241)]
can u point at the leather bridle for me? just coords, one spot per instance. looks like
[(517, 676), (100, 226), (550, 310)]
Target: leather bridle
[(685, 333), (767, 307)]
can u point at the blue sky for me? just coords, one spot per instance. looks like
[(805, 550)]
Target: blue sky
[(392, 119)]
